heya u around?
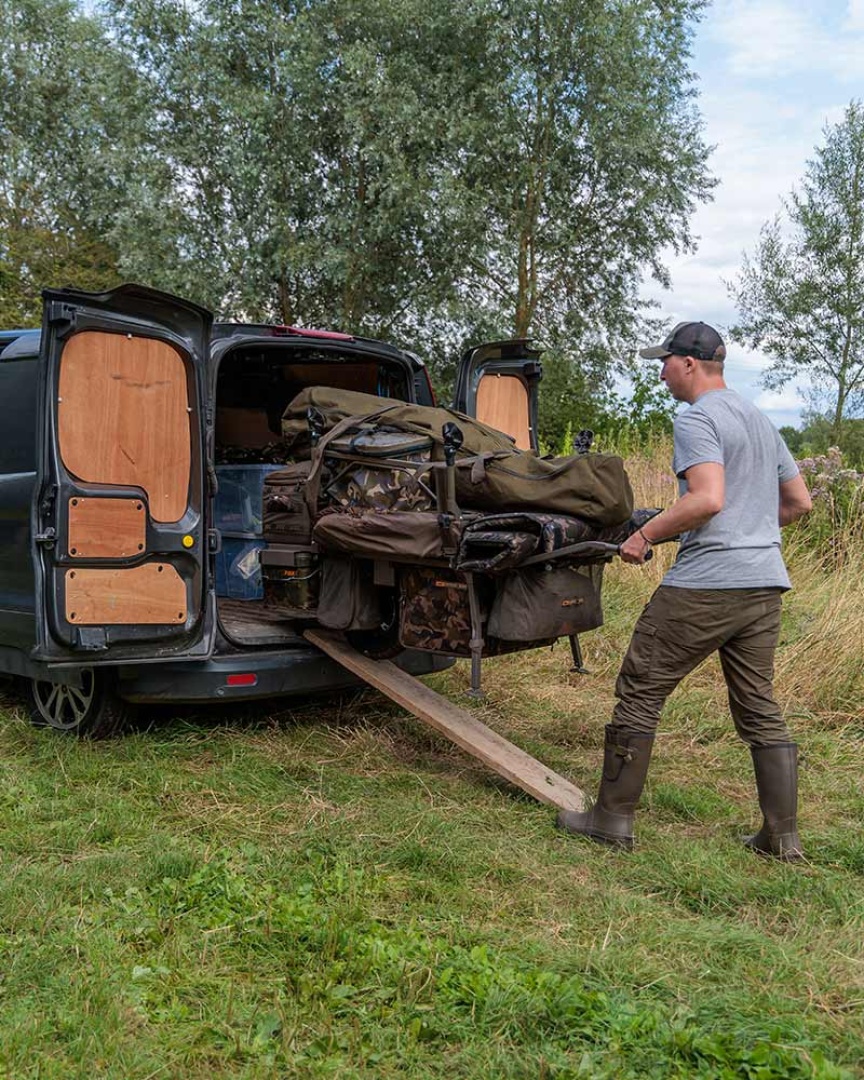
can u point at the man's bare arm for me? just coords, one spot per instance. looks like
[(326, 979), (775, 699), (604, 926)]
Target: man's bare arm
[(704, 497), (795, 500)]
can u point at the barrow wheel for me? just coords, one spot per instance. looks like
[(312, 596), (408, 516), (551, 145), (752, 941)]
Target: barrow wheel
[(92, 710)]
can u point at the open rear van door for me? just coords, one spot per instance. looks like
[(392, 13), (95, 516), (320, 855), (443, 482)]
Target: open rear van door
[(118, 526), (497, 384)]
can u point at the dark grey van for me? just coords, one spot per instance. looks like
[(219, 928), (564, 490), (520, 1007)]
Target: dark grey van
[(127, 551)]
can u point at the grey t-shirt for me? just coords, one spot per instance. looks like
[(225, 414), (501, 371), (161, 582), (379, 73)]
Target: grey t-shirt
[(739, 548)]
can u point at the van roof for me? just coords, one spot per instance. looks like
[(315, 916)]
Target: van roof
[(224, 331), (15, 344)]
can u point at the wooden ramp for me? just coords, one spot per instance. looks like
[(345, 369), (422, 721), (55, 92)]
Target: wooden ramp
[(457, 724)]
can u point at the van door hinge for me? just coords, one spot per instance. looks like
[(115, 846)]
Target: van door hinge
[(48, 538), (46, 503), (58, 312), (90, 639), (214, 541)]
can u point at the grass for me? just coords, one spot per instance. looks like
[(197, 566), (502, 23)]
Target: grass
[(332, 890)]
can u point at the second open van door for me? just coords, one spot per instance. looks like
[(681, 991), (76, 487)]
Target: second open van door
[(119, 522), (497, 383)]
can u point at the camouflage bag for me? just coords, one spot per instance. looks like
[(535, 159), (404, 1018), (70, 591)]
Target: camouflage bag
[(378, 469), (435, 612), (493, 543), (546, 601), (491, 473)]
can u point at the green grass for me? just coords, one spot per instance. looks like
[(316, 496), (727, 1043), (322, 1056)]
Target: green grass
[(335, 891)]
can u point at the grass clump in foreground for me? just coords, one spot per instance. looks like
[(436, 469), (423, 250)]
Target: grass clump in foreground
[(334, 891)]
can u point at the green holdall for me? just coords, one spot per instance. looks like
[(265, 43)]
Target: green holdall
[(491, 472)]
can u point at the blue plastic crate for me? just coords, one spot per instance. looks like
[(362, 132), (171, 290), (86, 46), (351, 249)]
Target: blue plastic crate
[(238, 570), (238, 506)]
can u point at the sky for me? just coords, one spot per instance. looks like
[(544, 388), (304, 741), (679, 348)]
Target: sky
[(772, 74)]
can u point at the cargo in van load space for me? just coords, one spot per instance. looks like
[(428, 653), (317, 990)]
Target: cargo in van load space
[(136, 439)]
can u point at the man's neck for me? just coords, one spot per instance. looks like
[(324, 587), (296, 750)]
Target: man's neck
[(705, 385)]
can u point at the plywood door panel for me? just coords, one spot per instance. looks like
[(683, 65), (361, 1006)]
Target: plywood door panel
[(123, 417), (106, 528), (502, 403), (153, 593)]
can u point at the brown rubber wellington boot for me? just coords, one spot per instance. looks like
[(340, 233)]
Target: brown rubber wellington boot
[(776, 768), (625, 766)]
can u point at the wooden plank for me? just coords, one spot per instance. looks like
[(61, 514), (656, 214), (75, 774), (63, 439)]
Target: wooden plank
[(457, 724), (122, 417), (106, 528), (153, 593)]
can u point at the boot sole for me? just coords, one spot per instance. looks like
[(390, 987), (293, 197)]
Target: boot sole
[(623, 843), (785, 856)]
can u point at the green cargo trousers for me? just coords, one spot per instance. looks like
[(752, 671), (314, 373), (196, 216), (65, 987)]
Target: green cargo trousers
[(678, 629)]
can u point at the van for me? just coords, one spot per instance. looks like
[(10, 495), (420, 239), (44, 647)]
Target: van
[(135, 434)]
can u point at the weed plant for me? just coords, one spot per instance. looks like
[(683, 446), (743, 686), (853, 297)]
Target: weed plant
[(334, 891)]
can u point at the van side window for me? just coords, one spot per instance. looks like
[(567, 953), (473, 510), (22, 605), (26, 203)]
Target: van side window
[(18, 415)]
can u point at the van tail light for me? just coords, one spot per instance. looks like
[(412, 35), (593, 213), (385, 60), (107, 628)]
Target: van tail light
[(246, 679)]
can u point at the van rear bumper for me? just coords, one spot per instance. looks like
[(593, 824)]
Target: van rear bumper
[(288, 672)]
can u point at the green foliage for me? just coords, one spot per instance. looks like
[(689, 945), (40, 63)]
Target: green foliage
[(333, 891), (835, 526), (381, 991), (419, 171), (55, 80), (819, 433), (590, 160), (307, 157), (802, 300)]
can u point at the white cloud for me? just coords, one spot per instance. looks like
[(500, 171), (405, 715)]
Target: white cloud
[(767, 39), (773, 74), (785, 400), (855, 16)]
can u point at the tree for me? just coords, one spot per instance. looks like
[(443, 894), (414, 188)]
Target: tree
[(305, 156), (413, 169), (800, 297), (53, 77), (591, 161)]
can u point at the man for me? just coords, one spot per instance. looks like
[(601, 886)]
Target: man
[(738, 486)]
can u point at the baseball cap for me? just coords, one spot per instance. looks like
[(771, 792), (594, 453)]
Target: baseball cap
[(689, 339)]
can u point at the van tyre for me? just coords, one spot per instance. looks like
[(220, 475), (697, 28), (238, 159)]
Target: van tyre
[(92, 710)]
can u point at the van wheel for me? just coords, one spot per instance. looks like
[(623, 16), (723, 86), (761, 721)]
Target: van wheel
[(92, 710)]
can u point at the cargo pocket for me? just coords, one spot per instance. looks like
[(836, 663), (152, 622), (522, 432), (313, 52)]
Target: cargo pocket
[(639, 660)]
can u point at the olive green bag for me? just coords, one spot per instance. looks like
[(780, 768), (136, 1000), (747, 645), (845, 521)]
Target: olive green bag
[(491, 472), (546, 601)]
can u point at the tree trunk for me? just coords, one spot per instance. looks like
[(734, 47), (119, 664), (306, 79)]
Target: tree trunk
[(286, 308)]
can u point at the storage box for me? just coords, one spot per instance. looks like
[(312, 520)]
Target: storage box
[(291, 580), (238, 502), (238, 569)]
